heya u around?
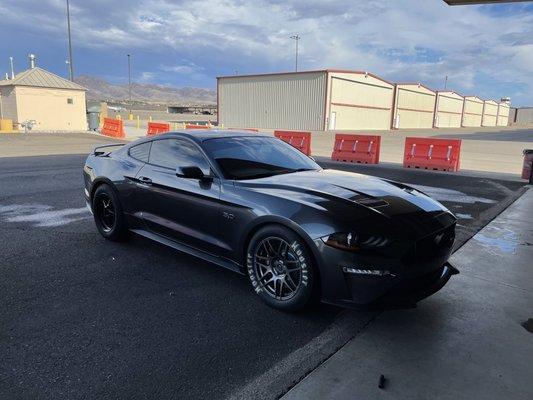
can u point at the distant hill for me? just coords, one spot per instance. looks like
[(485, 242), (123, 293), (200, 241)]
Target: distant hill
[(99, 89)]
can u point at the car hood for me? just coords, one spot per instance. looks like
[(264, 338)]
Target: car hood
[(385, 197)]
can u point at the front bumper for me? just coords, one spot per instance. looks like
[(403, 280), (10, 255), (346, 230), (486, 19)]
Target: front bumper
[(406, 276)]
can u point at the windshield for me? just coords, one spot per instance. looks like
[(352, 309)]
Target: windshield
[(256, 157)]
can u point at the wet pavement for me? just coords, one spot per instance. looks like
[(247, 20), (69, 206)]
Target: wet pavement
[(470, 341)]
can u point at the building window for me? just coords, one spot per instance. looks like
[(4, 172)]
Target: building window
[(70, 101)]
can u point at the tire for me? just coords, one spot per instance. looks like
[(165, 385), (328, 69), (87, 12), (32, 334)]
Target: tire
[(108, 214), (281, 268)]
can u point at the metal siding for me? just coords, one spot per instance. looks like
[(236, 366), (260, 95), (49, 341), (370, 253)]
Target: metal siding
[(284, 101), (360, 101), (415, 106), (472, 112), (449, 110), (490, 113), (503, 115), (524, 116)]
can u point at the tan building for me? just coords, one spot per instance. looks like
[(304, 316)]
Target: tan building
[(448, 110), (490, 113), (414, 106), (503, 114), (310, 100), (472, 111), (54, 103)]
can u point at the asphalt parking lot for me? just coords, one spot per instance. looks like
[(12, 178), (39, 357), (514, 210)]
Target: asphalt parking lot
[(85, 318)]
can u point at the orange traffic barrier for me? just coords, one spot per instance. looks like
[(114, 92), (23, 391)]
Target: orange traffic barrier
[(192, 126), (356, 148), (437, 154), (157, 127), (113, 127), (300, 140)]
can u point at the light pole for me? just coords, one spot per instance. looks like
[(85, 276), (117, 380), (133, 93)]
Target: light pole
[(445, 82), (129, 83), (296, 39), (70, 67)]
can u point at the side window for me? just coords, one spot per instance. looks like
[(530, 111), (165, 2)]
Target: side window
[(141, 152), (174, 153)]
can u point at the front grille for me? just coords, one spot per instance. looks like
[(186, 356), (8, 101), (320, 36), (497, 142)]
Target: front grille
[(431, 247)]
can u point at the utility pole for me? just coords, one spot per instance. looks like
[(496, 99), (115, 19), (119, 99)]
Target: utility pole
[(445, 82), (130, 116), (129, 76), (70, 66), (296, 39)]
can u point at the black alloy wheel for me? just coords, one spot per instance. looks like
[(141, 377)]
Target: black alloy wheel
[(108, 214)]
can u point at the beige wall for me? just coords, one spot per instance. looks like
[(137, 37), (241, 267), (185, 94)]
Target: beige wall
[(359, 101), (490, 113), (281, 101), (473, 112), (50, 109), (9, 102), (449, 110), (414, 107), (503, 115)]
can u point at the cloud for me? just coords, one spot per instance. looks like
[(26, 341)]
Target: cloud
[(486, 50)]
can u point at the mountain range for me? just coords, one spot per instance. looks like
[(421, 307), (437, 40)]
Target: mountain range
[(100, 89)]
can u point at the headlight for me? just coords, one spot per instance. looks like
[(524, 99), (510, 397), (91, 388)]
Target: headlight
[(352, 241)]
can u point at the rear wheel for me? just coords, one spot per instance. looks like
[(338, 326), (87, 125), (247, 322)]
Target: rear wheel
[(108, 214), (280, 268)]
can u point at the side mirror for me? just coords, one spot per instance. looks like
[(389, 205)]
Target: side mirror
[(191, 172)]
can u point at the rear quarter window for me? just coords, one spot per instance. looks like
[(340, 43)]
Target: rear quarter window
[(141, 152)]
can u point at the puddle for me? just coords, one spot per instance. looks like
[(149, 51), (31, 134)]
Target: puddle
[(453, 196), (42, 215), (499, 239)]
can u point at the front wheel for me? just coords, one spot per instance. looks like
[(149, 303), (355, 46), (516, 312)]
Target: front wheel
[(108, 214), (280, 268)]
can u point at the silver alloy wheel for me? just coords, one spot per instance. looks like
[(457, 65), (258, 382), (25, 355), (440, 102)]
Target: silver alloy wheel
[(277, 268)]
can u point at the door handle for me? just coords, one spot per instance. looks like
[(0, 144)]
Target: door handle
[(145, 180)]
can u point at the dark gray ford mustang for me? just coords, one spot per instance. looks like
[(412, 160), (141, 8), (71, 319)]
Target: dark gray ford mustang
[(256, 205)]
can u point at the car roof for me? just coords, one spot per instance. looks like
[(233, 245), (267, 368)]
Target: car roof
[(200, 135)]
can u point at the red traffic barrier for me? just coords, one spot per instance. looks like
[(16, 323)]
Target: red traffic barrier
[(157, 127), (356, 148), (300, 140), (192, 126), (113, 127), (527, 167), (429, 153)]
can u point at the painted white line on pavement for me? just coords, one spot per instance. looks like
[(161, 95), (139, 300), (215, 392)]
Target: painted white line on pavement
[(42, 215), (453, 196)]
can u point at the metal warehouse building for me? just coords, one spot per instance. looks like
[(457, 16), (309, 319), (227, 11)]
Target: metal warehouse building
[(414, 106), (55, 104), (473, 111), (503, 114), (448, 109), (310, 100), (490, 113)]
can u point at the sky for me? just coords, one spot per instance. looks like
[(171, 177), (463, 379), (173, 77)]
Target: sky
[(485, 50)]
